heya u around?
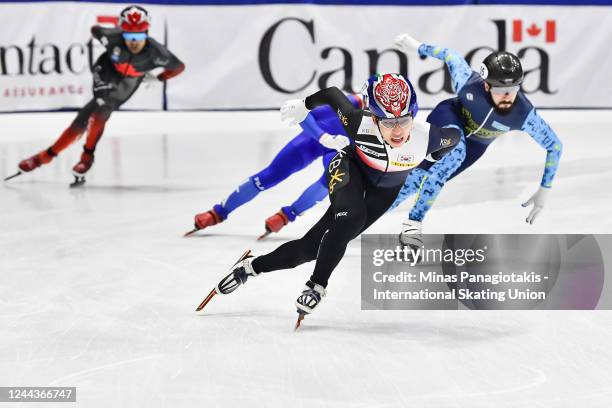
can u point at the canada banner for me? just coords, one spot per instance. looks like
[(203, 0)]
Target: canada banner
[(285, 51)]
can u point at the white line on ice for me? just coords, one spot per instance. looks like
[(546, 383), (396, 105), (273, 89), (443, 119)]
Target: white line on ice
[(100, 368)]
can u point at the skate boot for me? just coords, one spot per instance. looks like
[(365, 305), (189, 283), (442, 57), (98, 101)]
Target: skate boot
[(207, 219), (33, 162), (82, 167), (309, 299), (203, 220), (239, 273), (275, 223)]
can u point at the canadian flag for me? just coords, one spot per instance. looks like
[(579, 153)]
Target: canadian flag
[(533, 30)]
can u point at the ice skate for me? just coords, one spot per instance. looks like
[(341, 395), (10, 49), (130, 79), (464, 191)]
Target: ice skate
[(275, 223), (31, 163), (81, 168), (204, 220), (309, 299), (238, 275)]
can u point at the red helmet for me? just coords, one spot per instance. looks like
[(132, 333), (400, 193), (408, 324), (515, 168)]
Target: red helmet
[(134, 19)]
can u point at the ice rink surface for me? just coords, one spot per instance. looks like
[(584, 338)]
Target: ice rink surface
[(98, 288)]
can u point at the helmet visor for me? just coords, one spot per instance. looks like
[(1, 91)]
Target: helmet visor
[(503, 90), (134, 36), (403, 122)]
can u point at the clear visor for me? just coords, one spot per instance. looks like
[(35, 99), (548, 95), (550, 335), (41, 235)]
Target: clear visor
[(503, 90), (403, 122)]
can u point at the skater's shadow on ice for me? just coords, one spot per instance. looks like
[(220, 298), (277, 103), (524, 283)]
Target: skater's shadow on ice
[(90, 186), (15, 184), (419, 332), (277, 238), (203, 234), (246, 314), (143, 188)]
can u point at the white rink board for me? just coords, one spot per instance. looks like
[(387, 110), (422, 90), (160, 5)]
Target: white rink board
[(246, 57), (98, 288)]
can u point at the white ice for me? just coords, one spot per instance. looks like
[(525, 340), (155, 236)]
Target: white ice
[(98, 288)]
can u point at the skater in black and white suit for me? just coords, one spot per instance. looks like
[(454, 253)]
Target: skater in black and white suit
[(364, 179)]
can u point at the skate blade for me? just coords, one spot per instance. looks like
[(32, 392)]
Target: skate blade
[(193, 231), (206, 300), (78, 181), (262, 236), (298, 324), (214, 291), (19, 173), (246, 253)]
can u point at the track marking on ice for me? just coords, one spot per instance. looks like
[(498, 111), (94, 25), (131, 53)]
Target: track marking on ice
[(539, 379), (100, 368)]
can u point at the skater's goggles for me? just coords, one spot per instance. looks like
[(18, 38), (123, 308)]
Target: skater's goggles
[(127, 36), (404, 122), (503, 90)]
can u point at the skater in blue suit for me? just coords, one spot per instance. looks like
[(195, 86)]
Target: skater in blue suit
[(488, 104), (322, 136)]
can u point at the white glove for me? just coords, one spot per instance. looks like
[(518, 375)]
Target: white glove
[(407, 43), (338, 142), (294, 110), (149, 79), (411, 234), (538, 200)]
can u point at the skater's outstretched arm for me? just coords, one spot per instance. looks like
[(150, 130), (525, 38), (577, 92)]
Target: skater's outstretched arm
[(447, 149), (435, 179), (325, 115), (296, 110), (539, 130), (106, 35), (458, 68), (349, 115), (331, 141), (167, 60), (311, 127), (172, 72)]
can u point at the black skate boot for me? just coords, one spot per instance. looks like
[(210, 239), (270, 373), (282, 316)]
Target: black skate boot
[(309, 299), (239, 273)]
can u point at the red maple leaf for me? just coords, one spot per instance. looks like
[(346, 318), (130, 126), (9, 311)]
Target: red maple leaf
[(534, 30), (127, 69), (134, 17)]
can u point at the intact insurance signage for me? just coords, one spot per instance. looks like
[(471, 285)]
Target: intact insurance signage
[(46, 54), (258, 56)]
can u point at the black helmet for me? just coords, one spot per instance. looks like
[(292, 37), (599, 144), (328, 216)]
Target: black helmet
[(502, 69)]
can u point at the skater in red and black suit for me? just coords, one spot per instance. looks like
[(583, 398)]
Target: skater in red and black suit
[(117, 74)]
